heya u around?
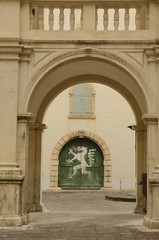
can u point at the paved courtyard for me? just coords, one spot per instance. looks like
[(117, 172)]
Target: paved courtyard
[(86, 215)]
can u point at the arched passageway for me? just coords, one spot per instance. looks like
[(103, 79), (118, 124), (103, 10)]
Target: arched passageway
[(58, 72)]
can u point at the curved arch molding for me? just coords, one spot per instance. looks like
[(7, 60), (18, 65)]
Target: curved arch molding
[(49, 79)]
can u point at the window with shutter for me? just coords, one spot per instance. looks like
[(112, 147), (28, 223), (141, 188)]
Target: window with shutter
[(82, 101)]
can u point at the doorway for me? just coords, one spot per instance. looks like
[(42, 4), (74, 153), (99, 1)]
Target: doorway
[(81, 165)]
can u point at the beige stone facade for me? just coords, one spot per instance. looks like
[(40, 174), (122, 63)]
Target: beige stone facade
[(37, 64)]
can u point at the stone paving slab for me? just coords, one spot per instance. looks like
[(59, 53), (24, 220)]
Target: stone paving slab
[(82, 215)]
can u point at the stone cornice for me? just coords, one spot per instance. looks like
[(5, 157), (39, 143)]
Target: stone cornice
[(25, 117), (10, 173), (15, 52)]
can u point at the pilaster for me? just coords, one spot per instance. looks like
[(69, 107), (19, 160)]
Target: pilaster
[(141, 166), (154, 185), (11, 179), (22, 154), (151, 120), (34, 167), (37, 182)]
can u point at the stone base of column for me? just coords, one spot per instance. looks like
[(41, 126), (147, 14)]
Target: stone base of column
[(13, 221), (146, 222), (39, 207), (31, 207), (154, 223), (151, 223), (11, 179)]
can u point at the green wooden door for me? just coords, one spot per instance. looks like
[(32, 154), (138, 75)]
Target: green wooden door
[(80, 165)]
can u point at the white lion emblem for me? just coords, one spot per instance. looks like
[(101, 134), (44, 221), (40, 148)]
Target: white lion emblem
[(79, 154)]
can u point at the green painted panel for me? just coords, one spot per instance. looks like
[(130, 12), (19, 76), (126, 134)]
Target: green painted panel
[(81, 165)]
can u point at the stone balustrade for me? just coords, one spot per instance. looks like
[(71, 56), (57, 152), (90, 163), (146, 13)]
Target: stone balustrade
[(89, 15)]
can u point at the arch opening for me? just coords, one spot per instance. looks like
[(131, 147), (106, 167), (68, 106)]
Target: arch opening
[(47, 85), (106, 125)]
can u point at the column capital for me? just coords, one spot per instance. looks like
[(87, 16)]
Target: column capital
[(138, 128), (37, 126), (152, 53), (150, 119), (25, 117)]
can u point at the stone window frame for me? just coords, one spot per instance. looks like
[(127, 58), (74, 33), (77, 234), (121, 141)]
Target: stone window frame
[(73, 116), (81, 134)]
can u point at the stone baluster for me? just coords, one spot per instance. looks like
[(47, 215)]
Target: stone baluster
[(138, 18), (61, 18), (116, 18), (127, 18), (72, 18), (105, 20), (51, 18)]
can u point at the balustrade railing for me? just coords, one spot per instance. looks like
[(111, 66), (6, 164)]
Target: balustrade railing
[(105, 15)]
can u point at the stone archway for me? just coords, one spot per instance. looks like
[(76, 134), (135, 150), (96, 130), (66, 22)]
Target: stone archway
[(57, 72), (80, 134), (31, 79)]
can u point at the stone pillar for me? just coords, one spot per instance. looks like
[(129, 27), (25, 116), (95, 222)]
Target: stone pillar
[(34, 168), (11, 179), (154, 185), (152, 160), (22, 155), (37, 170), (11, 176), (152, 219), (141, 166)]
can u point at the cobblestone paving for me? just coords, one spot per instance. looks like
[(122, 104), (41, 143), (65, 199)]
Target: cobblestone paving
[(82, 215)]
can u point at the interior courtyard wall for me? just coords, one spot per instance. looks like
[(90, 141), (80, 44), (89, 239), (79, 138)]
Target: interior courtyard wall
[(110, 124)]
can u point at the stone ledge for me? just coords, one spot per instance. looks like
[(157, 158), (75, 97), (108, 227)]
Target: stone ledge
[(11, 176)]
